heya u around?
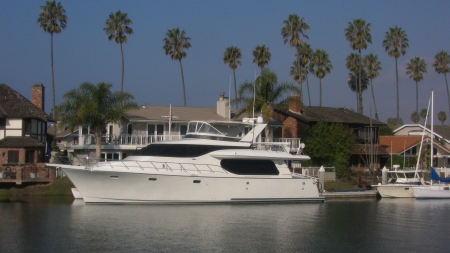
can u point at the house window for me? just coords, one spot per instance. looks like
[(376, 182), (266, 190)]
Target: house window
[(13, 156), (156, 132), (29, 156), (84, 130), (2, 123), (75, 140), (27, 126), (110, 156), (183, 129)]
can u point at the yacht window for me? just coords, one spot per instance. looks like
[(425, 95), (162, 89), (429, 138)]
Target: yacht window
[(180, 150), (250, 167)]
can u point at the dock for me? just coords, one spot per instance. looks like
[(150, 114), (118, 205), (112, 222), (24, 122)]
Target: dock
[(350, 194)]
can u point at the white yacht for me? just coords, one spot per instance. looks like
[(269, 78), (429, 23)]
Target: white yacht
[(212, 164)]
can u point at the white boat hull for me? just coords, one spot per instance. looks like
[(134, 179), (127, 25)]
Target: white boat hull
[(432, 192), (76, 194), (122, 187), (395, 191)]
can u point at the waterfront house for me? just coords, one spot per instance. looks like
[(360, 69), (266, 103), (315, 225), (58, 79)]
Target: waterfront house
[(297, 118), (23, 136)]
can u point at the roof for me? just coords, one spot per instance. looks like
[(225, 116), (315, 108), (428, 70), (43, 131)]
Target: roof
[(331, 115), (14, 105), (439, 131), (182, 113), (20, 142), (398, 144)]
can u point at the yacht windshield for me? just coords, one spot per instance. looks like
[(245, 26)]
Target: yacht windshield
[(197, 127)]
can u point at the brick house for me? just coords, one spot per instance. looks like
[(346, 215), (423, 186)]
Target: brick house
[(298, 118), (23, 135)]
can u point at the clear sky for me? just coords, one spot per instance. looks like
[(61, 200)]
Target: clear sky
[(82, 52)]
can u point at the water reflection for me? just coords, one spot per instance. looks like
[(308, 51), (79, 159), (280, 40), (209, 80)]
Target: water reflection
[(334, 226)]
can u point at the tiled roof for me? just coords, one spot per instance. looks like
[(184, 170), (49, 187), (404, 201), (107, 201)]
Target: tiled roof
[(14, 105), (156, 112), (331, 115), (364, 149), (398, 144), (20, 142)]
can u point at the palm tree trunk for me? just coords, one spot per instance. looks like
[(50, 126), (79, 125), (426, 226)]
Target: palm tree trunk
[(235, 89), (417, 97), (309, 95), (374, 102), (320, 85), (53, 83), (448, 94), (360, 106), (97, 140), (182, 81), (123, 67), (398, 102)]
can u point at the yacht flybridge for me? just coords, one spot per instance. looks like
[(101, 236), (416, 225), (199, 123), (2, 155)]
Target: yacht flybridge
[(212, 164)]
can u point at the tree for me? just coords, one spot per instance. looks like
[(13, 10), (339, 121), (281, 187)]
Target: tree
[(174, 44), (299, 78), (373, 66), (330, 145), (264, 94), (261, 56), (415, 117), (321, 66), (94, 106), (353, 82), (304, 54), (232, 57), (358, 34), (442, 117), (52, 19), (423, 115), (395, 43), (393, 123), (292, 29), (117, 26), (441, 61), (353, 63), (415, 68)]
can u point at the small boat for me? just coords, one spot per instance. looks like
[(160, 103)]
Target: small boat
[(213, 163), (400, 184)]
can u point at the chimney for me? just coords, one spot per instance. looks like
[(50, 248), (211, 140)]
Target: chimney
[(38, 95), (295, 104), (223, 106)]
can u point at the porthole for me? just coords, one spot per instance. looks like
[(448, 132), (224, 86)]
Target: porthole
[(152, 179), (197, 181)]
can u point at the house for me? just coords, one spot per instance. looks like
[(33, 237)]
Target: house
[(297, 118), (145, 125), (407, 138), (23, 135)]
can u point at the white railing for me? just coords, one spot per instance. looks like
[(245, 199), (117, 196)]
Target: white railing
[(126, 139)]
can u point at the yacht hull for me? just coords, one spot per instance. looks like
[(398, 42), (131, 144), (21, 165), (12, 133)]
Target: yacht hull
[(432, 192), (395, 191), (152, 188)]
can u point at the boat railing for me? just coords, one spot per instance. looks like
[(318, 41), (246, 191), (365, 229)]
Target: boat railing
[(92, 163)]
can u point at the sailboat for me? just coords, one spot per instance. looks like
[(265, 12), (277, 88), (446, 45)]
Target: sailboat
[(433, 191)]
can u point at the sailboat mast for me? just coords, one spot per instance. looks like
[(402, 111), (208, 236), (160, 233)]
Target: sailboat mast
[(432, 136)]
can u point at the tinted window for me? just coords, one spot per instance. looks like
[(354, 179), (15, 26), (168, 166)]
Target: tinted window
[(250, 167), (180, 150), (13, 156)]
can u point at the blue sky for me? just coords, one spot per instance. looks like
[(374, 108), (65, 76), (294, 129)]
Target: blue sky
[(82, 52)]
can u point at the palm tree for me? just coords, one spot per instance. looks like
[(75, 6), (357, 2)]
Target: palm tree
[(52, 19), (174, 44), (415, 117), (117, 26), (261, 56), (373, 67), (296, 75), (232, 56), (395, 42), (353, 82), (423, 115), (304, 53), (321, 66), (415, 68), (358, 34), (442, 117), (353, 64), (264, 94), (94, 106), (292, 29), (441, 61)]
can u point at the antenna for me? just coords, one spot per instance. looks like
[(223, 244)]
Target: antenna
[(170, 121)]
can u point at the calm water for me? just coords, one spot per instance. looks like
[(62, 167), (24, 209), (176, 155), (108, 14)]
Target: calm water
[(369, 225)]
